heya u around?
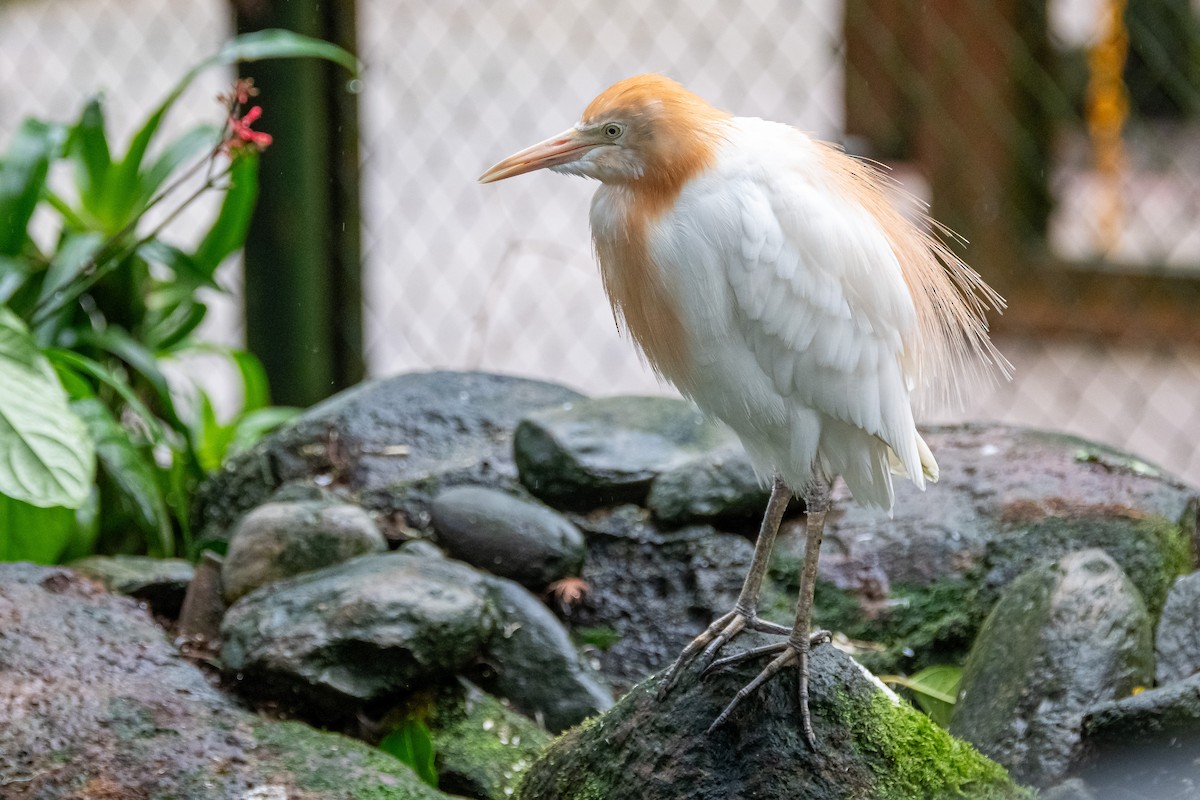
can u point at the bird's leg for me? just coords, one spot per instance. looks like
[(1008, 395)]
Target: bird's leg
[(745, 611), (797, 646)]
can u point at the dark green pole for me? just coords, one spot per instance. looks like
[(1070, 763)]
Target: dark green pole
[(303, 252)]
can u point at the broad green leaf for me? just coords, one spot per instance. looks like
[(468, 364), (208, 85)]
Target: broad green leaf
[(87, 147), (279, 43), (48, 458), (934, 688), (31, 533), (131, 472), (228, 233), (87, 530), (22, 175), (412, 744)]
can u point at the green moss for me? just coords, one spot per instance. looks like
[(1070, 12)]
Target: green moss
[(482, 748), (1152, 551), (335, 766), (912, 757)]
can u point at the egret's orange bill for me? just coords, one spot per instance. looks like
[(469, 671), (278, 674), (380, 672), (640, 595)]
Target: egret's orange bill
[(561, 149)]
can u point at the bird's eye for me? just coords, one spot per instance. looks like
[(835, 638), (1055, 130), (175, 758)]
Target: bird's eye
[(612, 130)]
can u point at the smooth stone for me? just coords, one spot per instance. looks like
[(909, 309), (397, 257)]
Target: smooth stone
[(717, 486), (534, 663), (370, 628), (1144, 747), (1063, 637), (279, 540), (161, 582), (390, 444), (1178, 640), (517, 539), (607, 450)]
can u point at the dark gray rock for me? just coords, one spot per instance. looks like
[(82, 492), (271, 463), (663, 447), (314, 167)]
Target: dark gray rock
[(279, 540), (514, 538), (871, 745), (161, 582), (921, 584), (370, 629), (389, 444), (1144, 747), (651, 591), (378, 628), (1070, 789), (717, 486), (606, 451), (532, 662), (1178, 638), (1064, 637), (97, 704), (422, 547)]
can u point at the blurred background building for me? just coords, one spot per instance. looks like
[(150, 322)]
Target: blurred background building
[(1060, 138)]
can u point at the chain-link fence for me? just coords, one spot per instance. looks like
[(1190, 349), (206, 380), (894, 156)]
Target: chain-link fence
[(1076, 119)]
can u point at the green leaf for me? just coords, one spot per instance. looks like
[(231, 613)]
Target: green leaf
[(184, 266), (87, 146), (252, 427), (130, 472), (257, 46), (14, 276), (228, 233), (934, 688), (256, 392), (23, 173), (48, 457), (32, 533), (279, 43), (133, 190), (69, 362), (412, 744), (141, 360), (74, 256), (210, 439), (166, 326)]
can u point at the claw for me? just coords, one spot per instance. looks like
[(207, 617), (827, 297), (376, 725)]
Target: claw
[(788, 652), (706, 646)]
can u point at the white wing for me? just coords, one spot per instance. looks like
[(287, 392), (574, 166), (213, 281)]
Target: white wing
[(820, 301)]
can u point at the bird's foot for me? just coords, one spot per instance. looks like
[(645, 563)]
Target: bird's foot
[(793, 651), (705, 646)]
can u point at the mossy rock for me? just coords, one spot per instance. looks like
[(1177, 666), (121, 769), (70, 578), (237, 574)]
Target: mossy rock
[(482, 748), (918, 625), (870, 744)]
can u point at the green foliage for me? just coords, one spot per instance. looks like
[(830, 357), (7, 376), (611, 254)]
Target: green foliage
[(101, 450), (602, 638), (934, 688), (412, 744)]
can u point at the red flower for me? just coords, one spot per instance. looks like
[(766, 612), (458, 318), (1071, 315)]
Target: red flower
[(240, 135)]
